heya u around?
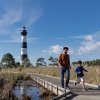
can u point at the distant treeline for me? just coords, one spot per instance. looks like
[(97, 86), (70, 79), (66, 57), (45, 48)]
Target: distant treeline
[(90, 63)]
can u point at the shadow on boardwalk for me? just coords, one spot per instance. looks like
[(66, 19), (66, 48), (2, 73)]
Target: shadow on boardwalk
[(70, 96)]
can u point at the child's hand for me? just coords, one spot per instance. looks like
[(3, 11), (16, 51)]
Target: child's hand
[(78, 72), (86, 70)]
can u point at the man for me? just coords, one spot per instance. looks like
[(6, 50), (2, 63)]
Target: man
[(64, 63)]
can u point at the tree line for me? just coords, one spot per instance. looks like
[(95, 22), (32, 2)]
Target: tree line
[(42, 62), (90, 63), (9, 61)]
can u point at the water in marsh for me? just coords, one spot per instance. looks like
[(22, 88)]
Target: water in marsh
[(26, 89), (30, 91)]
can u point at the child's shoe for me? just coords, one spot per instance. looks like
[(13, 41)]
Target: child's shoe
[(75, 83), (84, 90)]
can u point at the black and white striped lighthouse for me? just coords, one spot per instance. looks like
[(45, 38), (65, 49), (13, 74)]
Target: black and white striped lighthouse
[(24, 44)]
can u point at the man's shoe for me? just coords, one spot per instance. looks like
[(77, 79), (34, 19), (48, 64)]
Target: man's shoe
[(84, 90), (67, 87)]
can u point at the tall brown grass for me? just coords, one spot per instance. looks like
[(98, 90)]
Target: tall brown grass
[(92, 76), (6, 84)]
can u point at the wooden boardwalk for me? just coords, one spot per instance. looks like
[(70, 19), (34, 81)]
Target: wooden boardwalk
[(91, 93)]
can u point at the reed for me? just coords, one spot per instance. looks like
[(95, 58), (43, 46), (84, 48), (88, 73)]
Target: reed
[(92, 76), (7, 80)]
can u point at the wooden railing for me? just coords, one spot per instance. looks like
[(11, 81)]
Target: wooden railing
[(60, 92)]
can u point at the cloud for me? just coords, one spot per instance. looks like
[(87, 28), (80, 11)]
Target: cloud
[(35, 15), (78, 37), (90, 44), (31, 39), (56, 49), (18, 58), (31, 12), (92, 36), (89, 38), (11, 13), (18, 13), (17, 39), (71, 51)]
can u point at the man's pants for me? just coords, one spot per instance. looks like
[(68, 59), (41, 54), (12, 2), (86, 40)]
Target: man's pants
[(63, 71)]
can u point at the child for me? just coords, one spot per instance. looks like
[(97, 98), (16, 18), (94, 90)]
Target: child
[(79, 71)]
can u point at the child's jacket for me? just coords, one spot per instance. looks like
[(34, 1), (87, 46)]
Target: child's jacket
[(79, 71)]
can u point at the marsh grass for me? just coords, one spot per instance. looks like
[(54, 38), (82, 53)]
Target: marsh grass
[(10, 76), (46, 94), (92, 76), (7, 79)]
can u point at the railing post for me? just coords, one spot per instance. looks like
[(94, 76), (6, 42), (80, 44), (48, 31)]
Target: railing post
[(44, 84), (64, 90), (52, 88), (57, 90), (47, 85)]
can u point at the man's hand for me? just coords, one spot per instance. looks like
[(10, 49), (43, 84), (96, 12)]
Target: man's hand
[(60, 66)]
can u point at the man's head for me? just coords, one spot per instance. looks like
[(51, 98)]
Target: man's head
[(65, 50), (79, 63)]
